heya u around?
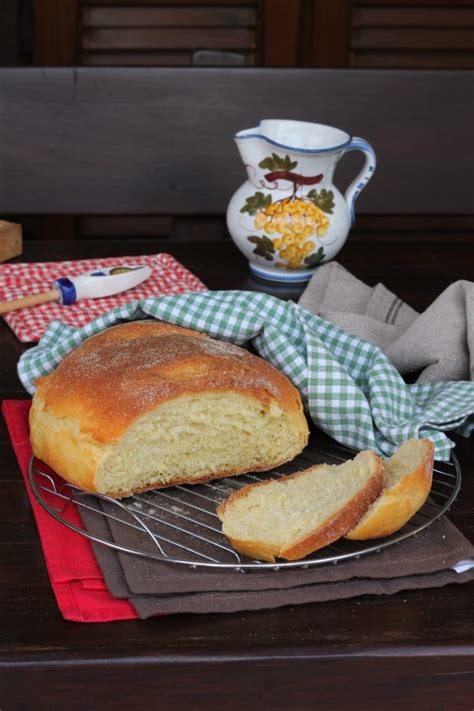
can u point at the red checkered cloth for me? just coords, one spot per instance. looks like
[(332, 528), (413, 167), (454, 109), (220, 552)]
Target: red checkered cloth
[(29, 324)]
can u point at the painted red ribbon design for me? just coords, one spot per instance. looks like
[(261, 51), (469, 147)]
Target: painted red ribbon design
[(295, 178)]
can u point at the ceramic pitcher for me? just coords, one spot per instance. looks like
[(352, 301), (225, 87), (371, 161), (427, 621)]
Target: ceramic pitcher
[(288, 217)]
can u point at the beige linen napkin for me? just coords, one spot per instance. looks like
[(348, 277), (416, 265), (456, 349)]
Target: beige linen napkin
[(439, 342)]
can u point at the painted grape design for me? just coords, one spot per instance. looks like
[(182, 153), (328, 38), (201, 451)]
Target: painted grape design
[(291, 225), (293, 222)]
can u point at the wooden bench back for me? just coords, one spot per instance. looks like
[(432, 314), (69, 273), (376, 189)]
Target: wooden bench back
[(160, 141)]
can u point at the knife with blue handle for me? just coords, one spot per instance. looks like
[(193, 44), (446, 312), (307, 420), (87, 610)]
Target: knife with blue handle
[(92, 285)]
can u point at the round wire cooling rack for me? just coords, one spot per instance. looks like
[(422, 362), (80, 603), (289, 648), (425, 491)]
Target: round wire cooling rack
[(179, 524)]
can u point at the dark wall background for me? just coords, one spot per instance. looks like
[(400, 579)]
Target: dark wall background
[(404, 34), (16, 32)]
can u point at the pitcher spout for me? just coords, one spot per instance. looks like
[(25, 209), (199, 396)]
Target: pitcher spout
[(297, 136), (273, 149)]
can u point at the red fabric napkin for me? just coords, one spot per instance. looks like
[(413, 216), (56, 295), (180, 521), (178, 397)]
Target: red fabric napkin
[(17, 280), (75, 576)]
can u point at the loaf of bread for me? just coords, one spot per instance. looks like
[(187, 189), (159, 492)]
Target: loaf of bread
[(407, 483), (295, 515), (147, 404)]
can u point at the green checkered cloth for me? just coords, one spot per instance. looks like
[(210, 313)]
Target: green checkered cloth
[(349, 387)]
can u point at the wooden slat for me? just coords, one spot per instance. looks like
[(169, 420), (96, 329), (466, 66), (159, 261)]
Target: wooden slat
[(184, 229), (412, 60), (125, 225), (51, 227), (402, 3), (55, 32), (160, 141), (168, 16), (10, 36), (139, 3), (161, 59), (413, 16), (179, 38), (280, 32), (330, 34), (203, 229), (137, 59), (413, 39), (430, 225), (222, 58)]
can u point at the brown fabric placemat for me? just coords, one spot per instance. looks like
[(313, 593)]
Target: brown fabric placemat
[(434, 549), (173, 589), (202, 603)]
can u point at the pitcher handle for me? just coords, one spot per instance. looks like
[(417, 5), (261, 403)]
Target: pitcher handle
[(361, 180)]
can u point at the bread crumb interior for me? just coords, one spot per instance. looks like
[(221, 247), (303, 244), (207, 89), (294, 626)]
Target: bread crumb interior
[(286, 510), (197, 436)]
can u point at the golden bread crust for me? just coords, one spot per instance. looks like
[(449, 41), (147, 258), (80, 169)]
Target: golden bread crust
[(332, 529), (399, 503), (126, 371)]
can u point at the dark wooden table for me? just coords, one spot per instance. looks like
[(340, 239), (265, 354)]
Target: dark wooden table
[(367, 653)]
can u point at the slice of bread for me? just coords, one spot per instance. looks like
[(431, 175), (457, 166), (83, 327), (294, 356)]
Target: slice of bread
[(293, 516), (407, 483)]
